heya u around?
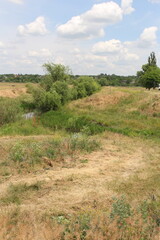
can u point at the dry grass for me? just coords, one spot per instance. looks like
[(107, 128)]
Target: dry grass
[(107, 96), (87, 183), (12, 90)]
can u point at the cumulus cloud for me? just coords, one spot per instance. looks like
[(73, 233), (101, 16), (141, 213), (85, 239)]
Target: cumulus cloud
[(126, 6), (148, 37), (111, 46), (91, 23), (37, 27), (115, 49), (17, 1)]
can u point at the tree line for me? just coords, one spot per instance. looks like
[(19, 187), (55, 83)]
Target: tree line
[(148, 76)]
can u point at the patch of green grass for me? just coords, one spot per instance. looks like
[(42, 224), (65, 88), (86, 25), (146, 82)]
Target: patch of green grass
[(71, 122), (24, 128), (120, 118)]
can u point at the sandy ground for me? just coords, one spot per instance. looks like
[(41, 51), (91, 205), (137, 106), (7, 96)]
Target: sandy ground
[(12, 90)]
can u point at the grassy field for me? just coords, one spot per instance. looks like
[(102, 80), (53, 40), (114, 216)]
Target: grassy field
[(89, 171)]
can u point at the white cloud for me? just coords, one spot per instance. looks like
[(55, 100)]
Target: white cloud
[(44, 52), (126, 6), (37, 27), (115, 50), (148, 37), (17, 1), (111, 46), (91, 23)]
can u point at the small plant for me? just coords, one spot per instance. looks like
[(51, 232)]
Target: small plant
[(79, 141), (121, 210), (29, 153)]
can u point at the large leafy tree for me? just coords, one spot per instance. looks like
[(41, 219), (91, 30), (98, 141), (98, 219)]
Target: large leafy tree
[(54, 73), (149, 76)]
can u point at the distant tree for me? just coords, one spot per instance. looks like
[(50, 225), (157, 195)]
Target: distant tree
[(152, 60), (149, 76)]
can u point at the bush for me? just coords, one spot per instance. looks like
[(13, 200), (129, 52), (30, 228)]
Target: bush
[(62, 89), (10, 110), (86, 86), (46, 101)]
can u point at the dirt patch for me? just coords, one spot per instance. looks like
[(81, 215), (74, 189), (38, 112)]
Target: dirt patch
[(12, 93), (12, 90)]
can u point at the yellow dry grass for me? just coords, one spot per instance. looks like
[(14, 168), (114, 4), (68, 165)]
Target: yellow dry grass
[(12, 90), (106, 97)]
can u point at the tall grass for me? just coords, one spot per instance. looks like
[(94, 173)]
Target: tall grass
[(10, 110)]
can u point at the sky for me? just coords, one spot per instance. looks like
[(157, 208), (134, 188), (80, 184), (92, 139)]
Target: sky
[(89, 36)]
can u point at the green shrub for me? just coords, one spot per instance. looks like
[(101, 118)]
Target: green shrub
[(81, 90), (45, 101), (62, 89), (10, 110), (86, 86)]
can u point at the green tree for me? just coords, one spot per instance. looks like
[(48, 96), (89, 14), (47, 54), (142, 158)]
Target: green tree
[(62, 89), (45, 101), (55, 72), (149, 76)]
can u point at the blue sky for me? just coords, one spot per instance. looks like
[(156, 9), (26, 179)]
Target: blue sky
[(89, 36)]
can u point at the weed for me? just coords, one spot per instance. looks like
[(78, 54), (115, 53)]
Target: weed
[(26, 152), (83, 143), (121, 210)]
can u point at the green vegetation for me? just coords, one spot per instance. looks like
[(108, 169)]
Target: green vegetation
[(10, 110), (83, 145), (121, 222), (149, 77), (55, 89), (28, 155)]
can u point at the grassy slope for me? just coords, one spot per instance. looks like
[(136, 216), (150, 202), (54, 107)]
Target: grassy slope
[(130, 111), (83, 180)]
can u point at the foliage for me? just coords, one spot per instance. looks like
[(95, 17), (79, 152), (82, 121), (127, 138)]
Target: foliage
[(85, 86), (149, 76), (121, 210), (45, 101), (66, 120), (21, 78), (57, 72), (62, 89), (10, 110)]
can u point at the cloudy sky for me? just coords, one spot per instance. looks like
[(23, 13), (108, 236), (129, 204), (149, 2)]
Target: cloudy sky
[(89, 36)]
